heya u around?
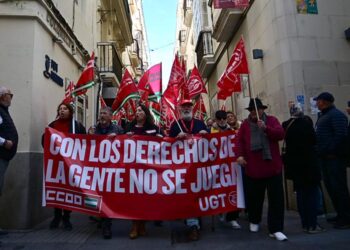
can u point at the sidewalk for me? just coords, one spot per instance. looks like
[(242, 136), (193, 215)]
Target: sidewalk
[(85, 235)]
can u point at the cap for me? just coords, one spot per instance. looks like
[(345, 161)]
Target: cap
[(186, 102), (326, 96), (220, 114)]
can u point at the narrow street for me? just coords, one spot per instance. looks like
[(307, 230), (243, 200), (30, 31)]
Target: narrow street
[(85, 235)]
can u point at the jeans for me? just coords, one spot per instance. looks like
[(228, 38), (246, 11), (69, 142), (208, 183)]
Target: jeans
[(308, 202), (335, 180)]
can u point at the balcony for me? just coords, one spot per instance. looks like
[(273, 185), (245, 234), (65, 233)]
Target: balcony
[(109, 64), (205, 54), (134, 54), (188, 13), (225, 22)]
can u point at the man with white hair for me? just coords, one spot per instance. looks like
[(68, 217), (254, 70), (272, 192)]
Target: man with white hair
[(8, 135), (188, 126)]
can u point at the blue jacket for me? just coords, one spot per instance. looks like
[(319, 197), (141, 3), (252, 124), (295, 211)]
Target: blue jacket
[(331, 132)]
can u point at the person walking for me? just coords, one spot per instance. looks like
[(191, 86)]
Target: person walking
[(8, 137), (222, 126), (331, 134), (258, 151), (182, 129), (302, 168), (64, 123), (143, 124), (106, 127)]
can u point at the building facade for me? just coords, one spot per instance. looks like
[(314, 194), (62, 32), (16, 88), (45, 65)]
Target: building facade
[(45, 44), (304, 53)]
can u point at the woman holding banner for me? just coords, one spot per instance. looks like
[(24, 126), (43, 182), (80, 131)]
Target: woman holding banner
[(64, 123), (143, 124)]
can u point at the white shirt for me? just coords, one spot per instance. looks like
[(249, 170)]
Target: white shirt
[(2, 140)]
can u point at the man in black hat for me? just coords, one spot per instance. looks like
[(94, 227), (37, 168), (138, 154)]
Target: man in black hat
[(331, 134), (258, 151)]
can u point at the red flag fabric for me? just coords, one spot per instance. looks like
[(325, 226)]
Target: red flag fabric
[(167, 114), (87, 78), (230, 80), (150, 85), (199, 110), (68, 98), (195, 84), (127, 91), (102, 103)]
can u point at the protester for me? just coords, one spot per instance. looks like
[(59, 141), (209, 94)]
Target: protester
[(222, 126), (301, 166), (233, 121), (258, 150), (143, 124), (8, 136), (182, 129), (106, 127), (331, 133), (64, 123), (209, 123)]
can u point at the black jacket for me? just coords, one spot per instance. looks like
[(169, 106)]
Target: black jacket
[(8, 131), (301, 162)]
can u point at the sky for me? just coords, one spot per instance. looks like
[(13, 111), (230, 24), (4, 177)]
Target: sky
[(160, 19)]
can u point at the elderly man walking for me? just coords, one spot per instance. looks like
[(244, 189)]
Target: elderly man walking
[(8, 135), (331, 133)]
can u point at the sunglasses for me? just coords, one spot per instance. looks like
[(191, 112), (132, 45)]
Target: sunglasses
[(11, 95)]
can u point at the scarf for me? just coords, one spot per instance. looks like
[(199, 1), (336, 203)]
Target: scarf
[(258, 139)]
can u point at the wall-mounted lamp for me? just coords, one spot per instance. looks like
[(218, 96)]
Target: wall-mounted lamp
[(57, 40), (347, 34), (258, 54)]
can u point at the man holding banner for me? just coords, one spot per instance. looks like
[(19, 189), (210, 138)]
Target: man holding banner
[(181, 129), (106, 127)]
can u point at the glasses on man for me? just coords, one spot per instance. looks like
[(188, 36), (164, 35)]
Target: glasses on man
[(11, 95), (222, 118)]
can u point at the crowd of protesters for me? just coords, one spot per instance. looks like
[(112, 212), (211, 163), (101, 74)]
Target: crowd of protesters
[(310, 154)]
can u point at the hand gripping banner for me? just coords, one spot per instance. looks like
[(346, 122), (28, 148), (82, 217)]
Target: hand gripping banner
[(142, 177)]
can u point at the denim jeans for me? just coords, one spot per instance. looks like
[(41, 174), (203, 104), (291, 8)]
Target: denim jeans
[(335, 180)]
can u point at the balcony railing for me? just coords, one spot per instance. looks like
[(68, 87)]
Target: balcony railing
[(108, 60), (188, 13), (204, 46)]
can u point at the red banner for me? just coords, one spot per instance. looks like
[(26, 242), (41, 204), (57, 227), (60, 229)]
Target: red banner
[(141, 177)]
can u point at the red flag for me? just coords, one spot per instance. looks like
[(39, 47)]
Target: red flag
[(223, 94), (195, 84), (87, 78), (230, 80), (177, 74), (199, 110), (151, 82), (68, 98), (127, 91), (167, 114), (102, 103)]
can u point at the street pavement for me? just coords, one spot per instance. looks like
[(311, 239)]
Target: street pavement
[(214, 235)]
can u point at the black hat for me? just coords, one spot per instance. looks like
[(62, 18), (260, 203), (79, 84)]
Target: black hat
[(326, 96), (220, 114), (259, 104)]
